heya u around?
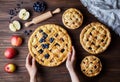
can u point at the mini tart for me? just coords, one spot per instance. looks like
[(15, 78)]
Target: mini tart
[(72, 18), (49, 45), (95, 38), (91, 66)]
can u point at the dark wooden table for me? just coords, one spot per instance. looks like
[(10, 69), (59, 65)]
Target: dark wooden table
[(110, 58)]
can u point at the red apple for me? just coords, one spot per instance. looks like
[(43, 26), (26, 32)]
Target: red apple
[(10, 53), (10, 68), (16, 40)]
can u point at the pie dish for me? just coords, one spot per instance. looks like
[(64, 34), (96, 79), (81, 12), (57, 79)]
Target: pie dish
[(95, 38), (49, 45), (91, 66), (72, 18)]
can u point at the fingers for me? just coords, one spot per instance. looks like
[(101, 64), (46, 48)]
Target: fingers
[(73, 50), (27, 59), (73, 53), (33, 62), (30, 61), (69, 56)]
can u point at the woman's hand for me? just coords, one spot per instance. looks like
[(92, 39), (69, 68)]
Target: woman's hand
[(71, 60), (70, 64), (31, 68)]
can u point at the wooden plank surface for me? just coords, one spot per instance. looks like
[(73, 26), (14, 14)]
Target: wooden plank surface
[(110, 58)]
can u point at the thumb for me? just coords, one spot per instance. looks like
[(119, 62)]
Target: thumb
[(33, 62)]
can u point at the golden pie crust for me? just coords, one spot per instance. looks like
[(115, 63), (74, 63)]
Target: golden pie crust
[(49, 45), (95, 38), (72, 18), (91, 66)]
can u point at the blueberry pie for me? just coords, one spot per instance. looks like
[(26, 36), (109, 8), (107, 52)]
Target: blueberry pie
[(95, 38), (49, 45), (91, 66)]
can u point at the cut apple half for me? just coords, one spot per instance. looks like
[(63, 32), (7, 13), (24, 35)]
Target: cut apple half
[(24, 14), (14, 26)]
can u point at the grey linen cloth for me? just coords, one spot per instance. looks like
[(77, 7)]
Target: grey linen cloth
[(107, 11)]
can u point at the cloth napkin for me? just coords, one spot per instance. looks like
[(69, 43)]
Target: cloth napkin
[(107, 11)]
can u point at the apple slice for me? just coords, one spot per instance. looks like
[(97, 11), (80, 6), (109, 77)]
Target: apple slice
[(14, 26), (24, 14)]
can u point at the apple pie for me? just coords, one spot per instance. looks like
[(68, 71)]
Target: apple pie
[(72, 18), (95, 38), (91, 66)]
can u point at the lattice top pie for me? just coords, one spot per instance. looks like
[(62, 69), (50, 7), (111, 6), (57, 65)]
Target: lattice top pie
[(95, 38), (91, 66), (49, 45), (72, 18)]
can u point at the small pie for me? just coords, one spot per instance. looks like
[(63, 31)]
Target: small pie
[(49, 45), (95, 38), (72, 18), (91, 66)]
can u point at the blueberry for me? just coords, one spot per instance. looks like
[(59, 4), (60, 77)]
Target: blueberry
[(42, 7), (43, 4), (18, 5), (40, 51), (11, 17), (43, 46), (22, 2), (45, 36), (46, 56), (11, 12), (51, 40), (30, 30), (35, 8), (46, 45), (25, 31), (38, 5), (37, 2), (42, 40)]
